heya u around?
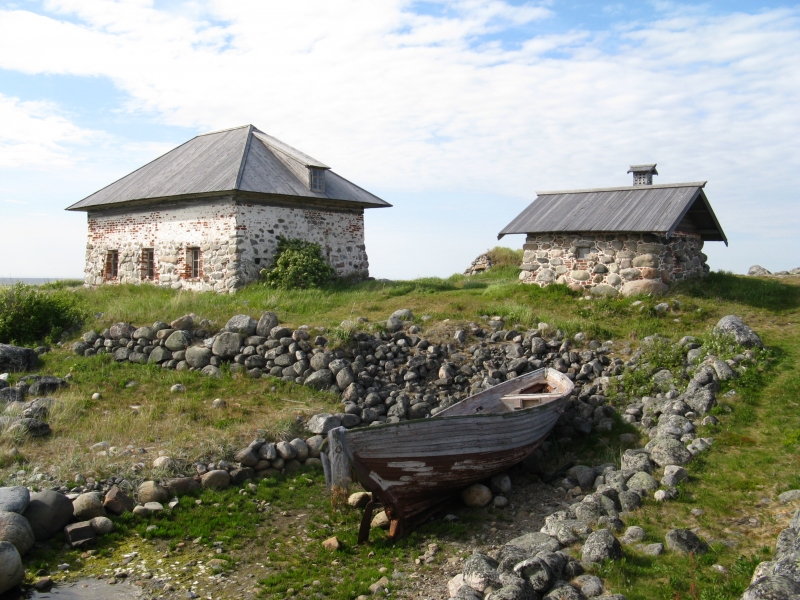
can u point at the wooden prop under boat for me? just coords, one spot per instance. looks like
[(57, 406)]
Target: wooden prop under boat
[(412, 467)]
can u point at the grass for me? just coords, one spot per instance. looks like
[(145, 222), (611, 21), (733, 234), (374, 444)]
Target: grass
[(756, 453)]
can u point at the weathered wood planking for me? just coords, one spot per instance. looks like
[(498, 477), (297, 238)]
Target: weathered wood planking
[(650, 208), (414, 465), (242, 158)]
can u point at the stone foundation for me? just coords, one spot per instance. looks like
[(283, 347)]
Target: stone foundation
[(235, 241), (607, 262)]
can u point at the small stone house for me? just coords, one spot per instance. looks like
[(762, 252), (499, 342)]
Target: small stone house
[(627, 240), (206, 216)]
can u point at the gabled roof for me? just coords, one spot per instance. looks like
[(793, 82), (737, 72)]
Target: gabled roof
[(240, 159), (642, 208)]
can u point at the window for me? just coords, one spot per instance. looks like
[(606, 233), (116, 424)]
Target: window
[(112, 264), (317, 180), (193, 260), (583, 253), (148, 264)]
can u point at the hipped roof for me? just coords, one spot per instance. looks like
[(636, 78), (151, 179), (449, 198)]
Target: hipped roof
[(242, 159), (643, 208)]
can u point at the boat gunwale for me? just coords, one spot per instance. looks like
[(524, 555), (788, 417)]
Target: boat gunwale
[(504, 415)]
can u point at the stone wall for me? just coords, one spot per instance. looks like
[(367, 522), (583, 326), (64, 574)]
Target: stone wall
[(612, 263), (235, 241), (340, 234)]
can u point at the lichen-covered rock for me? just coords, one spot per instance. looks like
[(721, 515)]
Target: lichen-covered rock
[(479, 572), (509, 556), (322, 423), (685, 541), (227, 344), (537, 573), (743, 334), (636, 460), (668, 451), (267, 322), (772, 587), (242, 324), (535, 542), (319, 379), (601, 546)]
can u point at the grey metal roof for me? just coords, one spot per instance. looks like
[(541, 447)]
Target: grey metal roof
[(651, 208), (239, 159)]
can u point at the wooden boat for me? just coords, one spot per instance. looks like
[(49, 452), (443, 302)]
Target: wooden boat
[(413, 467)]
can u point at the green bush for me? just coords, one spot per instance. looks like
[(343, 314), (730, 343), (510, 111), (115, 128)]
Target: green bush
[(29, 315), (298, 264), (505, 257)]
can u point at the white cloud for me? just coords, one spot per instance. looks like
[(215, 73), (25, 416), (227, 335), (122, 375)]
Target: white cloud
[(412, 103), (35, 133)]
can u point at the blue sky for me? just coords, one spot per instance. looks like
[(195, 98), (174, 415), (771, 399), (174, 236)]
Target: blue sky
[(456, 112)]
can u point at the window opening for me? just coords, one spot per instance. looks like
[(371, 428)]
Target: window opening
[(317, 180), (583, 253), (112, 264), (148, 264), (194, 263)]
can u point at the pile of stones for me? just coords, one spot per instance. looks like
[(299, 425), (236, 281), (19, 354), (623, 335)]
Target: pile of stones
[(780, 577), (759, 271), (539, 562), (387, 375), (480, 265), (27, 518), (537, 565), (28, 417)]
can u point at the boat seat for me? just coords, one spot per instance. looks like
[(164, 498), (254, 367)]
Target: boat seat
[(523, 401)]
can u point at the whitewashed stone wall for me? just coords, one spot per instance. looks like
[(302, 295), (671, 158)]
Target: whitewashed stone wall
[(235, 240), (611, 260), (340, 234)]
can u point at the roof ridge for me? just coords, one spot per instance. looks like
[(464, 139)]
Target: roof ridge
[(223, 130), (699, 184), (243, 160)]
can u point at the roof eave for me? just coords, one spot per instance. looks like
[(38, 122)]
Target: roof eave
[(702, 196)]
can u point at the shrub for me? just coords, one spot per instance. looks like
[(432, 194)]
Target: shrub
[(298, 264), (29, 315)]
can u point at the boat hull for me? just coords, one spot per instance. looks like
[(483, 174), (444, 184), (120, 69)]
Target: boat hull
[(413, 466)]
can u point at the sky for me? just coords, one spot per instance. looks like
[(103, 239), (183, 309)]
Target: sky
[(454, 111)]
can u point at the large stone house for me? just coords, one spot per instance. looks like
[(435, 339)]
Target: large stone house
[(630, 239), (206, 215)]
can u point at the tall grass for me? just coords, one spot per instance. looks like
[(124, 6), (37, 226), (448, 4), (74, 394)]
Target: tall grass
[(29, 315)]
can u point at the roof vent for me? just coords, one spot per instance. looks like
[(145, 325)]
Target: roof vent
[(643, 174)]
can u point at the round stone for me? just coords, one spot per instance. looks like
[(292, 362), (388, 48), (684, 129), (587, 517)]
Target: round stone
[(15, 528), (476, 495), (87, 506), (11, 570), (48, 512), (14, 499)]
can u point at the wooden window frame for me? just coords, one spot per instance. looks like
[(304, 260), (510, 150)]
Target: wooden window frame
[(194, 263), (148, 264), (316, 180), (111, 268)]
